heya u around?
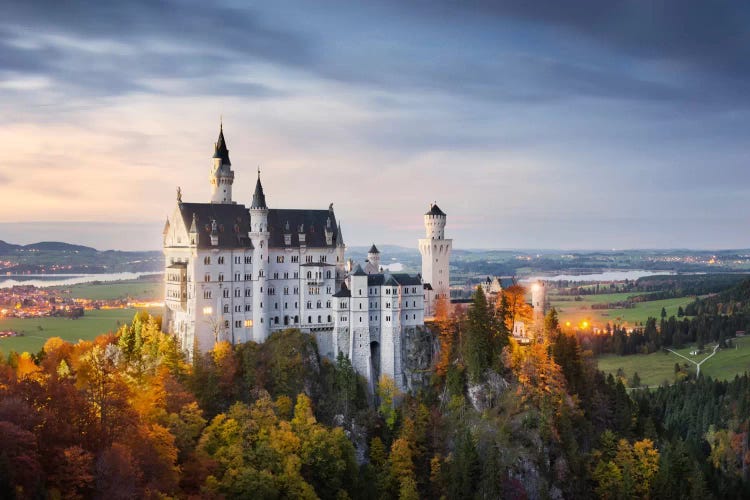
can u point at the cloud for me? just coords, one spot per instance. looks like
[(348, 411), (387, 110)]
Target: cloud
[(512, 111)]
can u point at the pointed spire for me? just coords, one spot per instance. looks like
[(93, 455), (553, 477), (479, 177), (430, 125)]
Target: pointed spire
[(373, 249), (259, 199), (339, 236), (220, 148)]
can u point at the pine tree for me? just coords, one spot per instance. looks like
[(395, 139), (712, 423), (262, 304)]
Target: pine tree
[(478, 337)]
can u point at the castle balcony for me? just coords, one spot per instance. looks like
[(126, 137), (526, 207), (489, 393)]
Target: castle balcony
[(175, 287)]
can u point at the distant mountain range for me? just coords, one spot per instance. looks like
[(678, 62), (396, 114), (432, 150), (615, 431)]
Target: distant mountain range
[(44, 246), (50, 257)]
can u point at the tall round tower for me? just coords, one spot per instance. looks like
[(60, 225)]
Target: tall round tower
[(436, 252), (221, 176), (539, 303), (259, 236)]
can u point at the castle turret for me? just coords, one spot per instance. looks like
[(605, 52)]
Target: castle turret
[(359, 332), (259, 236), (539, 303), (222, 175), (436, 252), (373, 260)]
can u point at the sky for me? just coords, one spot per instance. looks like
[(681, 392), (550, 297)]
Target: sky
[(545, 124)]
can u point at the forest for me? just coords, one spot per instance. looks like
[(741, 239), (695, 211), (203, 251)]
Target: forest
[(127, 416), (715, 318)]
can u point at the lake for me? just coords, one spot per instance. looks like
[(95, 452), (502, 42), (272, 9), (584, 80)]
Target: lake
[(47, 280)]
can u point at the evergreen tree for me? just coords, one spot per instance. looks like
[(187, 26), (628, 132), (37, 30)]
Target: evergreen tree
[(479, 353)]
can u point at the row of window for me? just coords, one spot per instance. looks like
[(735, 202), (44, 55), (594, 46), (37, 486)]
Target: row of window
[(249, 260), (220, 260)]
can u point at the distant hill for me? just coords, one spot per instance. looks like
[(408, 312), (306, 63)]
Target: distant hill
[(58, 246), (43, 246), (50, 257), (6, 248)]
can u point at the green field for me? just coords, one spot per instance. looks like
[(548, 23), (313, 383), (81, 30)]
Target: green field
[(577, 311), (657, 368), (148, 288), (93, 323)]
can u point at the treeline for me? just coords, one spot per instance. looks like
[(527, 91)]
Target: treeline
[(672, 333), (686, 285)]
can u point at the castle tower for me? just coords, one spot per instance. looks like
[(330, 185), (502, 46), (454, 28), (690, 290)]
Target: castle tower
[(539, 303), (222, 175), (373, 260), (436, 252), (259, 236), (359, 332)]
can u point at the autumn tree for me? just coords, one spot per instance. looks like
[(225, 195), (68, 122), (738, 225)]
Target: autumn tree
[(516, 307), (446, 328)]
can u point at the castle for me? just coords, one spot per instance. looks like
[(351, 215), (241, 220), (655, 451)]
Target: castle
[(236, 273)]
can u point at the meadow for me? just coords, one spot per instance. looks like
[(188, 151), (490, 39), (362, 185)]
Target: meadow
[(146, 288), (578, 311), (656, 368), (37, 330)]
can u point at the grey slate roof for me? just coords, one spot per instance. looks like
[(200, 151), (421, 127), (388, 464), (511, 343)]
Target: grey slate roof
[(435, 210), (220, 148), (313, 223), (259, 198), (375, 279), (398, 279), (404, 279), (233, 223), (343, 292), (358, 271), (373, 249)]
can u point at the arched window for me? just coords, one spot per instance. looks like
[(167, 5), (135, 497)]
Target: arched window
[(329, 318), (286, 320), (319, 319), (296, 320), (328, 274), (309, 274)]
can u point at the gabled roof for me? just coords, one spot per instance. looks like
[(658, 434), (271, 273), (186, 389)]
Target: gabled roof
[(232, 223), (312, 222), (220, 148), (391, 282), (404, 279), (435, 210)]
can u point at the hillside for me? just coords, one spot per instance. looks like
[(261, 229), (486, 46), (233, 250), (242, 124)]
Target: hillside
[(49, 257)]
